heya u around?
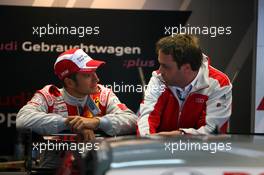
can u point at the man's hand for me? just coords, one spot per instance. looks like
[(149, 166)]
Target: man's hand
[(170, 133), (78, 123), (88, 135)]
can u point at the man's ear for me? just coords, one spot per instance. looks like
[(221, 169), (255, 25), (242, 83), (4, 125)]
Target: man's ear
[(186, 67), (69, 82)]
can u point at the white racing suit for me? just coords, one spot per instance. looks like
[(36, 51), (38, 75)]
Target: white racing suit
[(48, 109)]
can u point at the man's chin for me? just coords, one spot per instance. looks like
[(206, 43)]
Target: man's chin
[(93, 90)]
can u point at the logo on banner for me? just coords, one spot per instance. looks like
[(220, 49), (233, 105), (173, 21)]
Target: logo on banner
[(261, 105)]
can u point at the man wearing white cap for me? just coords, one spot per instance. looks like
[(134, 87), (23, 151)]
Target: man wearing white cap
[(82, 105)]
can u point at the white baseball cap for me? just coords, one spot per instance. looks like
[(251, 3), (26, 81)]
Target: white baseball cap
[(73, 61)]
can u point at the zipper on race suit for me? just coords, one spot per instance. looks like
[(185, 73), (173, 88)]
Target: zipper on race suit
[(181, 108), (182, 105)]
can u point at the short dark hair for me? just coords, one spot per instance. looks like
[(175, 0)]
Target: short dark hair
[(184, 49), (72, 77)]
